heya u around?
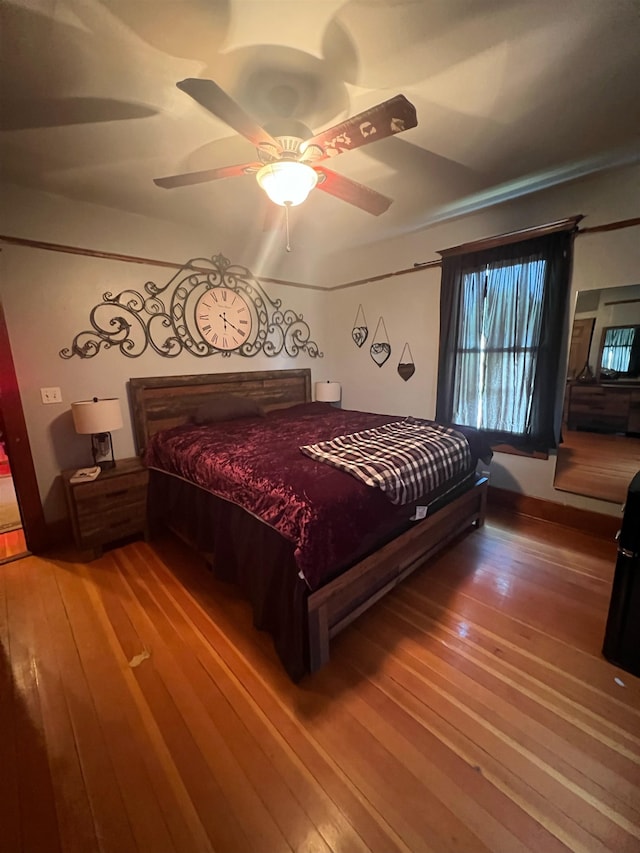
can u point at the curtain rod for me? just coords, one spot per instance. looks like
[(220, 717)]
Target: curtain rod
[(133, 259), (522, 235), (568, 224)]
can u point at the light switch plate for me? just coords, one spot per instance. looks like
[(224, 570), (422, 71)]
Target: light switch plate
[(51, 395)]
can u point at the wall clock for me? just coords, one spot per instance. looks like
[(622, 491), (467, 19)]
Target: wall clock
[(209, 307), (224, 318)]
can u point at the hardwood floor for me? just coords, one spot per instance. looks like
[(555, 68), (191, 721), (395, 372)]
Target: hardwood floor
[(12, 545), (469, 710), (597, 465)]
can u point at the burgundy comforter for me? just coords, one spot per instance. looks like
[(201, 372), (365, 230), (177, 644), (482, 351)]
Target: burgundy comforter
[(256, 463)]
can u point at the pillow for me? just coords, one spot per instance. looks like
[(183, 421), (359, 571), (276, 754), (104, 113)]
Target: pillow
[(227, 407)]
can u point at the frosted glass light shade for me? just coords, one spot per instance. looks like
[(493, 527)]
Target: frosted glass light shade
[(287, 182), (328, 392), (95, 416)]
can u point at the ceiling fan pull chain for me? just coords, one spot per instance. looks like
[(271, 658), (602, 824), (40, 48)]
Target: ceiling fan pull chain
[(286, 219)]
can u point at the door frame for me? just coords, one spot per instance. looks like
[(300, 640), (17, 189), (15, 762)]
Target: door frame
[(18, 447)]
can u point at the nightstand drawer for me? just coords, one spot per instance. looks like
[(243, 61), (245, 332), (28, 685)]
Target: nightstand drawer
[(99, 528), (100, 496), (109, 508)]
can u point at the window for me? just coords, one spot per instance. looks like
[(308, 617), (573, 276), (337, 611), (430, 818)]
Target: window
[(616, 352), (501, 339)]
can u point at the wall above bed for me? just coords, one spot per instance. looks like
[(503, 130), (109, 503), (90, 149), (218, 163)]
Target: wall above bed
[(209, 307)]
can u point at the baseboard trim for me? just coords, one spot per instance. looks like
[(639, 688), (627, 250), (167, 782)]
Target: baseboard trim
[(605, 526)]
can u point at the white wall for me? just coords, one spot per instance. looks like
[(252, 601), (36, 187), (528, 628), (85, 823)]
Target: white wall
[(410, 305), (47, 297)]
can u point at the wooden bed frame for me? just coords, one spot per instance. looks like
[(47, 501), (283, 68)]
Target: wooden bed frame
[(161, 402)]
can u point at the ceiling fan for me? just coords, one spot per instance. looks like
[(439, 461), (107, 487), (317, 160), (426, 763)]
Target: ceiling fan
[(287, 165)]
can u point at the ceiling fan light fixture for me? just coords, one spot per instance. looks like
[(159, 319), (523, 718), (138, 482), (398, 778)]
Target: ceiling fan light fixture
[(288, 182)]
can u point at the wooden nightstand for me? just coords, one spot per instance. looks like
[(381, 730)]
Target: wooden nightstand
[(107, 509)]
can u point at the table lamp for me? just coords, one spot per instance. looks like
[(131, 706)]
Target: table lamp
[(328, 392), (98, 418)]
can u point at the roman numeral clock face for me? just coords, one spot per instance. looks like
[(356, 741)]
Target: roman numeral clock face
[(224, 318)]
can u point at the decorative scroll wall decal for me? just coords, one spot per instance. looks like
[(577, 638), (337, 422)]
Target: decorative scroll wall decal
[(208, 307)]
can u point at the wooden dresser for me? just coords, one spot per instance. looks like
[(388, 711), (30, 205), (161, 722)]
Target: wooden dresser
[(604, 407), (109, 508)]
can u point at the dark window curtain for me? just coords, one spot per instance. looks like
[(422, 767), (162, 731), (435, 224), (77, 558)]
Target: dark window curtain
[(466, 279)]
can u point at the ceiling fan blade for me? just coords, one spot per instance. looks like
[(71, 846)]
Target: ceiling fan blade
[(386, 119), (189, 178), (29, 113), (210, 96), (352, 192)]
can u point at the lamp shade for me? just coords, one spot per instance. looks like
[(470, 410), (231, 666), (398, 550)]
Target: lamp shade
[(328, 392), (287, 182), (91, 417)]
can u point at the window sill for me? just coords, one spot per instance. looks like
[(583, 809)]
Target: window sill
[(517, 451)]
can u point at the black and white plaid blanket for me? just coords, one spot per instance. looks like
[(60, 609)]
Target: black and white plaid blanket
[(405, 459)]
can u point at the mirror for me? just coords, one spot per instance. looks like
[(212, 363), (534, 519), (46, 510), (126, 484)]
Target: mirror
[(600, 450), (619, 353)]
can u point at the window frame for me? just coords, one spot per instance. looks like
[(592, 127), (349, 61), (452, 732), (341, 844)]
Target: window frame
[(555, 244)]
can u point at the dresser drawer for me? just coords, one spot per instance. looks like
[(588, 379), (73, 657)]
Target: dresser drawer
[(598, 407), (634, 412)]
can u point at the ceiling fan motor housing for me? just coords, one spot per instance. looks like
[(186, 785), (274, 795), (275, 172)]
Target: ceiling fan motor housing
[(290, 146)]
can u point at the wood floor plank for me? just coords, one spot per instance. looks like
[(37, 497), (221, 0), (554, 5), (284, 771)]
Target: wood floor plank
[(236, 710), (508, 766), (38, 817), (514, 787), (608, 746), (186, 827), (273, 692), (113, 828), (75, 818), (451, 778), (229, 709), (574, 667), (202, 706), (535, 743), (471, 709), (596, 464), (180, 717), (9, 710), (110, 695), (13, 545)]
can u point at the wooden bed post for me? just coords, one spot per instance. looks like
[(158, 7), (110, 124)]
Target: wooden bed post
[(318, 638), (335, 605)]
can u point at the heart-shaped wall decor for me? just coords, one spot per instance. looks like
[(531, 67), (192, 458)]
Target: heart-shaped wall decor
[(360, 331), (380, 352), (406, 370), (360, 334)]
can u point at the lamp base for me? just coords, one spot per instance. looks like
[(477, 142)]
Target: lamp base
[(102, 450)]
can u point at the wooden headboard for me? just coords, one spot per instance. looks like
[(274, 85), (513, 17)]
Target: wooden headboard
[(161, 402)]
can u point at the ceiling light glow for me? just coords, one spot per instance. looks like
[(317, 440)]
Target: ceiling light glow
[(288, 182)]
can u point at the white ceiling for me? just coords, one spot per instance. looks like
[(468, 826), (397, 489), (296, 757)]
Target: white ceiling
[(511, 96)]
